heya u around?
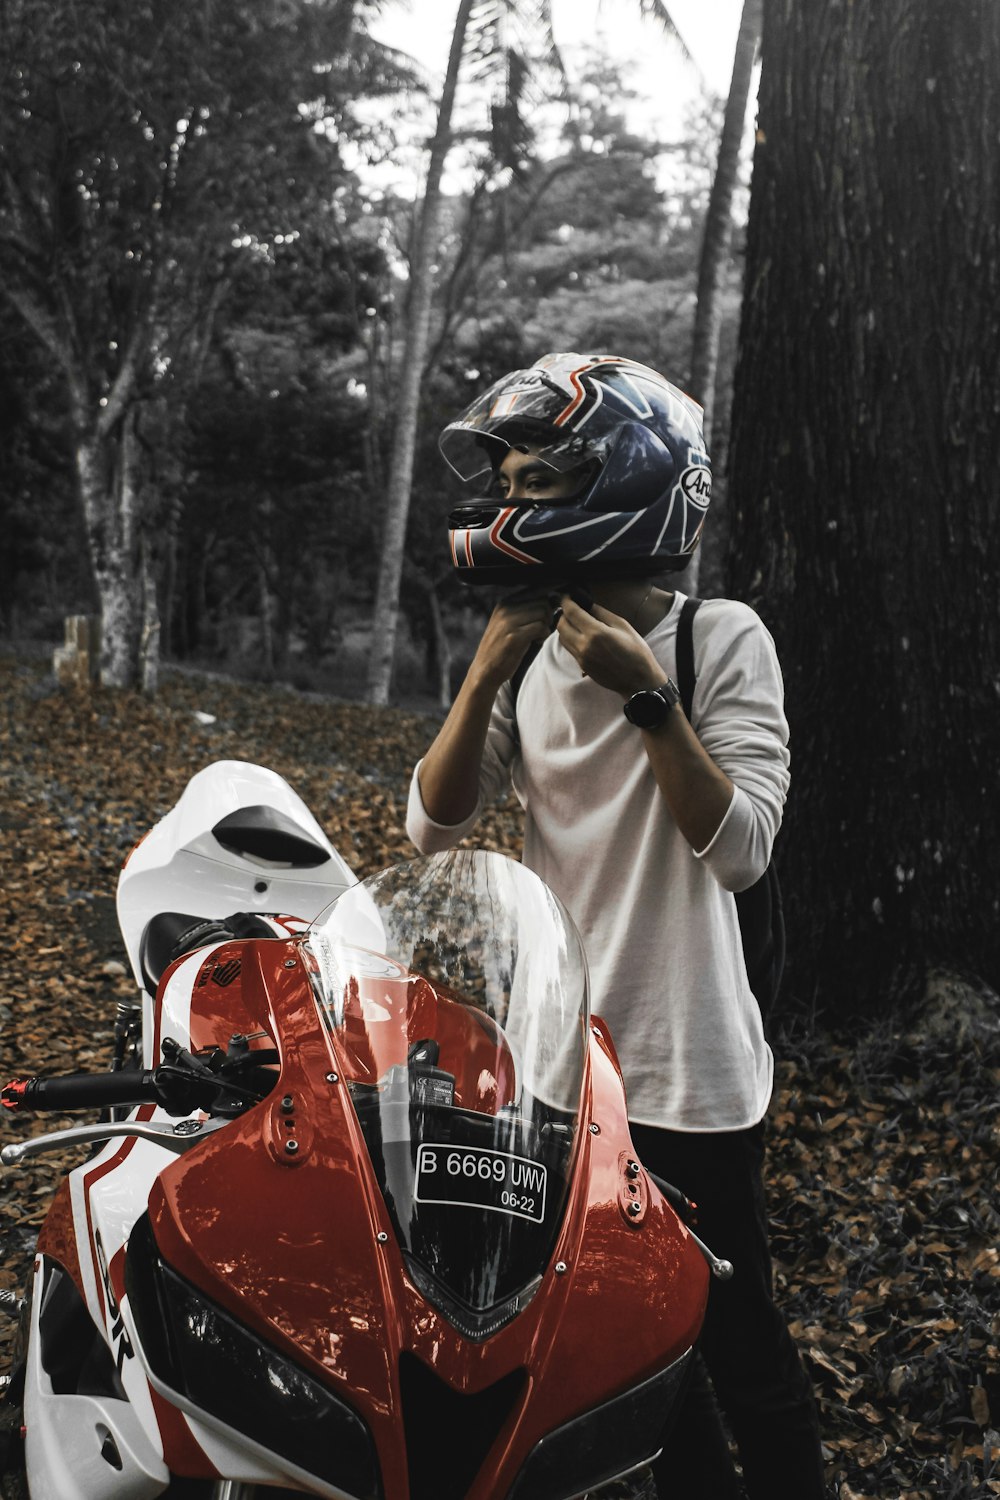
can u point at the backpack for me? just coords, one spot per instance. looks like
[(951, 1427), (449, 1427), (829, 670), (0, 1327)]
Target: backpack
[(762, 921), (761, 918)]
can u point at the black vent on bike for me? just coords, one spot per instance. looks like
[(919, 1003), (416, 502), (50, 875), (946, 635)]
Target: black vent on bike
[(224, 974), (74, 1355), (449, 1434)]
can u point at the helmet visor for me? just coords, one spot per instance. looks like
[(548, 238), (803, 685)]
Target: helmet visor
[(537, 409)]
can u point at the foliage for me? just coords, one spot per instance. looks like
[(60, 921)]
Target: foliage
[(882, 1151), (139, 157), (482, 34), (40, 561), (583, 249), (226, 250), (275, 504), (142, 165)]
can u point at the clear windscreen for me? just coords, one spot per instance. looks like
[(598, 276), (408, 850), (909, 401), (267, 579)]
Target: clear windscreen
[(455, 992)]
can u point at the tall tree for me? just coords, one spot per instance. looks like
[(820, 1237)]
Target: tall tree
[(407, 398), (718, 232), (481, 27), (865, 450), (138, 158)]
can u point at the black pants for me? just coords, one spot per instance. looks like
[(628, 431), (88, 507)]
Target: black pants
[(755, 1368)]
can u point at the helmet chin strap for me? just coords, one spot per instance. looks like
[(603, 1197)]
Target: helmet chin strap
[(632, 611)]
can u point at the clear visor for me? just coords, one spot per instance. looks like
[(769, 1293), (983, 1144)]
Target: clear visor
[(533, 409), (454, 991)]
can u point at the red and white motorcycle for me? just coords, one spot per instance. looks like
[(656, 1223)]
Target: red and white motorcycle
[(362, 1217)]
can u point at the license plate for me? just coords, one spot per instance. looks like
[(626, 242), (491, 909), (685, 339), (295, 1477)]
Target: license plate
[(474, 1177)]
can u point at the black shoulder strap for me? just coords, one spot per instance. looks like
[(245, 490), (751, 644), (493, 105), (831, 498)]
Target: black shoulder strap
[(520, 673), (762, 925), (521, 670), (685, 653)]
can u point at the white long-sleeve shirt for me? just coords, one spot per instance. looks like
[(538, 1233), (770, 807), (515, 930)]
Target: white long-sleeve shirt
[(658, 920)]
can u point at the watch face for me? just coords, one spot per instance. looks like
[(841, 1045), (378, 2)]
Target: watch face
[(647, 709)]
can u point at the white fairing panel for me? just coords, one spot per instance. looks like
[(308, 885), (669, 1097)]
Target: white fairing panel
[(65, 1437), (181, 866)]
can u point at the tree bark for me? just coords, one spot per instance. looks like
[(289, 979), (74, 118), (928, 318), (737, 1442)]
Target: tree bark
[(407, 404), (440, 653), (266, 613), (718, 232), (149, 638), (108, 471), (865, 450), (106, 468), (715, 247)]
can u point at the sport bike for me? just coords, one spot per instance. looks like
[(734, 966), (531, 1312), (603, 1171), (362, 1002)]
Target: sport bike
[(361, 1216)]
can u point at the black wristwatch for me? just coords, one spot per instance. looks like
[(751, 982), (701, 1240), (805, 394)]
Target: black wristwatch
[(649, 708)]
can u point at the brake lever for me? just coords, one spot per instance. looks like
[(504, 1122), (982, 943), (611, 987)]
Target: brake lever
[(176, 1138), (721, 1269), (688, 1211)]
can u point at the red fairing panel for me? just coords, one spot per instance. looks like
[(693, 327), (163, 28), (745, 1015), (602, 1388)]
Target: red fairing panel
[(289, 1241)]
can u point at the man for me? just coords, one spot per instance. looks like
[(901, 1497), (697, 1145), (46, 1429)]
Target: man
[(643, 823)]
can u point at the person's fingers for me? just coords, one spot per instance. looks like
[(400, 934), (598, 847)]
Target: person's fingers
[(574, 613)]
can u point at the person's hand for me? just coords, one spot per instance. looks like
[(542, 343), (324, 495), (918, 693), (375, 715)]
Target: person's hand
[(608, 649), (515, 623)]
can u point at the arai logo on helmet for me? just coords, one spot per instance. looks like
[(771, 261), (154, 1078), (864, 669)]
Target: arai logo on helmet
[(696, 482), (506, 401)]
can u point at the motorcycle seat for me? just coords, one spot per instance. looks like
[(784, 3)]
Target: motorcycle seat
[(171, 934), (156, 951)]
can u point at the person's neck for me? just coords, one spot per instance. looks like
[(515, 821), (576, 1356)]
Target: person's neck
[(637, 600)]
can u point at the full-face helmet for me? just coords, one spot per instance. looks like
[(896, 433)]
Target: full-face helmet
[(637, 440)]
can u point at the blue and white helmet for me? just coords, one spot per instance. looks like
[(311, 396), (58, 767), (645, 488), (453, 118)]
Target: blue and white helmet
[(637, 439)]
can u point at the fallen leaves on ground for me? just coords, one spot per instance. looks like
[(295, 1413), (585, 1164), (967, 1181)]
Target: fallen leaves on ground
[(883, 1159)]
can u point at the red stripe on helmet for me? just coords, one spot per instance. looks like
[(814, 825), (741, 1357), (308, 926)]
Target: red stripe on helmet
[(498, 540), (581, 395)]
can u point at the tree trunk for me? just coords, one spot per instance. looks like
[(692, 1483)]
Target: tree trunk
[(407, 403), (107, 477), (440, 653), (266, 611), (715, 246), (149, 637), (865, 450), (719, 217)]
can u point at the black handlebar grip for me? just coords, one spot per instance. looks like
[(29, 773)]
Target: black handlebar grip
[(82, 1091)]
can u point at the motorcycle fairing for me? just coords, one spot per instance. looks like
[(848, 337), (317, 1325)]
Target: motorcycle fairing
[(207, 856), (89, 1435), (207, 1209), (77, 1441), (299, 1248), (87, 1229)]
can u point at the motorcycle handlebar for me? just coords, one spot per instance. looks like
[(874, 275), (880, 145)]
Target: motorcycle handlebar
[(81, 1091)]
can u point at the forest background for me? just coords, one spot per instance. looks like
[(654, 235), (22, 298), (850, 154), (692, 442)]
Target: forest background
[(230, 333)]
